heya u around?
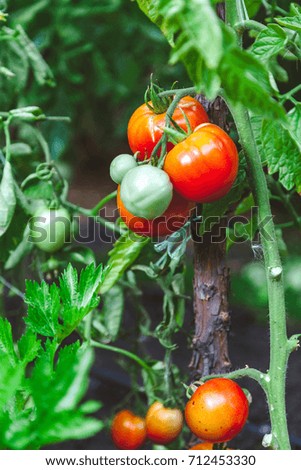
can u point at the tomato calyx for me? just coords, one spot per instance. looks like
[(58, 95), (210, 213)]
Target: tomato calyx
[(156, 103)]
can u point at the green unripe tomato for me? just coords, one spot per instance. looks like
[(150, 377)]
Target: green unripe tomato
[(146, 191), (50, 229), (120, 166)]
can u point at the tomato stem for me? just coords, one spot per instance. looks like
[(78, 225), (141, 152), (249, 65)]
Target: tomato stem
[(279, 351), (126, 353)]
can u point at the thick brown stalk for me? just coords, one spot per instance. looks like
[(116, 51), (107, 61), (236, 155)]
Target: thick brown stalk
[(211, 286)]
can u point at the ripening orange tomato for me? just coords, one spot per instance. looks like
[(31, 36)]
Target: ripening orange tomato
[(163, 425), (217, 411), (128, 431)]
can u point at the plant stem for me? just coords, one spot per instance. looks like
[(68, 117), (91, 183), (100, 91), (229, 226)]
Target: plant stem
[(126, 353), (12, 288), (103, 202), (182, 91), (274, 272), (7, 139), (249, 24)]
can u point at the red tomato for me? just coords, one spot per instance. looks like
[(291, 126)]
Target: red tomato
[(173, 218), (145, 128), (217, 411), (204, 166), (163, 425), (128, 430)]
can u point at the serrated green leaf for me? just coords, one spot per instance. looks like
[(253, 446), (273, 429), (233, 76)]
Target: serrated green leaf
[(71, 376), (256, 122), (245, 80), (290, 22), (28, 346), (193, 18), (43, 308), (124, 253), (90, 406), (7, 198), (282, 154), (57, 392), (269, 42), (6, 341), (10, 379), (71, 425), (79, 296), (294, 117)]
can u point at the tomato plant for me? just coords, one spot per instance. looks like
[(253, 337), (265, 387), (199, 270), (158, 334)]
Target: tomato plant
[(50, 229), (146, 191), (181, 158), (217, 411), (128, 430), (163, 425), (204, 166), (145, 127), (175, 216)]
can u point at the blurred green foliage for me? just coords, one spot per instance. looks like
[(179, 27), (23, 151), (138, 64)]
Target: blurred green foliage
[(101, 54), (249, 288)]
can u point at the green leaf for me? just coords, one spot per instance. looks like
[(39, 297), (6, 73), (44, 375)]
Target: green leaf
[(290, 22), (71, 376), (43, 308), (41, 70), (269, 42), (18, 253), (253, 7), (7, 198), (256, 122), (245, 80), (124, 253), (191, 20), (6, 341), (10, 379), (245, 205), (28, 346), (57, 392), (294, 117), (39, 190), (71, 425), (20, 149), (112, 311), (282, 154), (79, 296), (151, 10), (178, 287)]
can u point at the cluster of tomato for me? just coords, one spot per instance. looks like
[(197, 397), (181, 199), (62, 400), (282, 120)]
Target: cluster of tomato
[(201, 168), (216, 412)]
